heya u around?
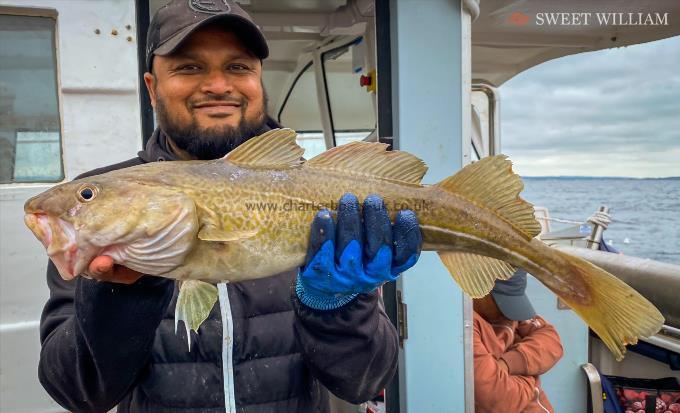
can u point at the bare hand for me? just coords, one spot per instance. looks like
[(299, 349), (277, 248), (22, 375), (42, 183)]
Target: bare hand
[(102, 268), (528, 327)]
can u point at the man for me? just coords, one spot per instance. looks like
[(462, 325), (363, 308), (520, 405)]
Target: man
[(272, 345), (512, 348)]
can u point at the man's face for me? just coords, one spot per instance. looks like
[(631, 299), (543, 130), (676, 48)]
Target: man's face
[(488, 309), (208, 95)]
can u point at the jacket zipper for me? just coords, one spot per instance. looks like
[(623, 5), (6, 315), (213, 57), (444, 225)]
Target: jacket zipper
[(227, 348)]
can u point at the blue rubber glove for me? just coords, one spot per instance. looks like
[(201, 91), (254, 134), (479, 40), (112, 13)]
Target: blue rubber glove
[(358, 255)]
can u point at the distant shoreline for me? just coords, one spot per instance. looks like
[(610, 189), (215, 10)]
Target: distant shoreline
[(669, 178)]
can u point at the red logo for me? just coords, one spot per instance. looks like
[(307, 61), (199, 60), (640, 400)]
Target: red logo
[(518, 19)]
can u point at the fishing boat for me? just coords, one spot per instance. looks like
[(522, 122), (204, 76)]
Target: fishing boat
[(422, 76)]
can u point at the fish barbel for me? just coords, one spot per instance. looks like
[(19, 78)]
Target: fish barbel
[(248, 215)]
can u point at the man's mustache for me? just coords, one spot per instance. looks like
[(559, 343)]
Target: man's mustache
[(229, 100)]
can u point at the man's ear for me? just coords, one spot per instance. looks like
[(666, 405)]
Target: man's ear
[(149, 82)]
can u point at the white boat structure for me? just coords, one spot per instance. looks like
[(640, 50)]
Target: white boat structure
[(439, 64)]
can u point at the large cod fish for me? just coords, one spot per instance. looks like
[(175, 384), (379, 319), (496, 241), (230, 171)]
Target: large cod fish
[(248, 215)]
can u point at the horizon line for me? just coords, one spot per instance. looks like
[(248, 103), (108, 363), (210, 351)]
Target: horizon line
[(598, 177)]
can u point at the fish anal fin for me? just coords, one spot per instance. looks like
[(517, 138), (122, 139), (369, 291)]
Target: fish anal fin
[(476, 274), (276, 148), (194, 303), (491, 183), (371, 159)]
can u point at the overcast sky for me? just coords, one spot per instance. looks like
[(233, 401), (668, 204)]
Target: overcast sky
[(613, 112)]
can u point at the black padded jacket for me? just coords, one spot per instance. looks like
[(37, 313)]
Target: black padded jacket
[(107, 345)]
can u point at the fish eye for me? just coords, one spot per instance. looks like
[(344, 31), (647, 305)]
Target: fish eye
[(87, 193)]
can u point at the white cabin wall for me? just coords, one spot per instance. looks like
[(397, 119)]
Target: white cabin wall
[(100, 124), (99, 83)]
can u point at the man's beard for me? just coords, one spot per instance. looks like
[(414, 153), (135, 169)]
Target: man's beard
[(210, 143)]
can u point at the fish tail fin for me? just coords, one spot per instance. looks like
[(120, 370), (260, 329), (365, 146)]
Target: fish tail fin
[(611, 308)]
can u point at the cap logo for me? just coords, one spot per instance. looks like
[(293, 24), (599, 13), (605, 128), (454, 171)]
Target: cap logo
[(210, 6)]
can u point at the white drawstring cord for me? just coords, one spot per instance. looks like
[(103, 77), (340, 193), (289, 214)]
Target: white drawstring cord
[(538, 400)]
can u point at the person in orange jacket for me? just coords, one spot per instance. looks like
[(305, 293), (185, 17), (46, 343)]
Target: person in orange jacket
[(512, 347)]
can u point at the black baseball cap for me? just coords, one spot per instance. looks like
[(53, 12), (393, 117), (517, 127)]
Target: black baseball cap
[(511, 299), (177, 20)]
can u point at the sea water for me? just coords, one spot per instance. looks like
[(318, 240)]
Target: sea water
[(645, 212)]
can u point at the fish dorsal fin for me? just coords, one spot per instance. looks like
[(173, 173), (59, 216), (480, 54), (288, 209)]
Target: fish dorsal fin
[(371, 159), (476, 274), (490, 183), (273, 149)]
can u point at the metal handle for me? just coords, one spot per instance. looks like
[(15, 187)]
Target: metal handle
[(595, 384)]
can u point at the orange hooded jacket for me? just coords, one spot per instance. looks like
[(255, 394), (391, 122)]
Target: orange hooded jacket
[(529, 348)]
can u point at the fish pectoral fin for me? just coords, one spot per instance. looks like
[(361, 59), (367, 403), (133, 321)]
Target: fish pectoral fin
[(476, 274), (276, 148), (216, 234), (491, 183), (194, 303)]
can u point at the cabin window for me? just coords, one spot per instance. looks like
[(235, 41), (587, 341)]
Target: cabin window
[(352, 108), (30, 128), (480, 124), (300, 112)]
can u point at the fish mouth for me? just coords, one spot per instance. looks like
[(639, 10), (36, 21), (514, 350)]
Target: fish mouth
[(59, 238)]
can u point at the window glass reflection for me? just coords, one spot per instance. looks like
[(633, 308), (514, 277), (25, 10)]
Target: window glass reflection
[(301, 113), (351, 104), (30, 141), (301, 110)]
